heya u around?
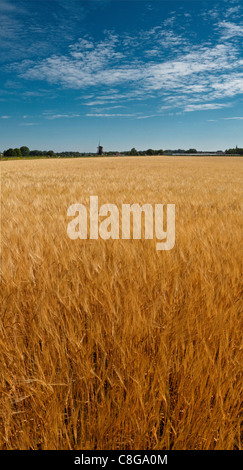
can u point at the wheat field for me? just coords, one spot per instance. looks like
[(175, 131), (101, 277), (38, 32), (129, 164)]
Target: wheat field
[(113, 344)]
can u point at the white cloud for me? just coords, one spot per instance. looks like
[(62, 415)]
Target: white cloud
[(228, 85), (109, 115), (187, 76), (5, 117), (27, 124), (229, 30), (237, 118), (205, 106), (100, 69), (146, 117), (58, 116), (232, 11)]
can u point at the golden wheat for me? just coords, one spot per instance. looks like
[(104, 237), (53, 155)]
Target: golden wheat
[(112, 344)]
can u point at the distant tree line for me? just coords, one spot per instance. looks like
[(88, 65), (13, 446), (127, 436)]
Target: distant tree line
[(135, 152), (73, 154), (26, 152), (236, 151)]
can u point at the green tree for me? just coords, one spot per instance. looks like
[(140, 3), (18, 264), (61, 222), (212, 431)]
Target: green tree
[(24, 151), (18, 152), (9, 153), (50, 153), (236, 151), (35, 153), (133, 151)]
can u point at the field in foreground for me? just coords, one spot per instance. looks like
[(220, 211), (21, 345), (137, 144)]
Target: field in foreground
[(112, 344)]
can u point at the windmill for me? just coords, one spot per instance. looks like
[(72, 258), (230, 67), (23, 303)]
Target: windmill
[(100, 149)]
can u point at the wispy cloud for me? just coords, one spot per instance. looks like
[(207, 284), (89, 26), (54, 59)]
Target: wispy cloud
[(237, 118), (28, 124), (233, 11), (5, 117), (162, 63), (60, 116), (234, 118), (230, 30), (146, 117), (25, 33), (205, 106), (110, 115)]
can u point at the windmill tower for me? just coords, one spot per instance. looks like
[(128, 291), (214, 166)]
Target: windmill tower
[(100, 149)]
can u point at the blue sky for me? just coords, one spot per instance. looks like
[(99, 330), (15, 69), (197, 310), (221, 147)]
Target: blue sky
[(145, 74)]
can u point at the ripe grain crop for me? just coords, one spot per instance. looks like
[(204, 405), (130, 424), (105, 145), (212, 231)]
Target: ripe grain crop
[(112, 344)]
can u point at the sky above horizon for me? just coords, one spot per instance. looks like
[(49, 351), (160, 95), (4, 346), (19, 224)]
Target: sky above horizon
[(159, 74)]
